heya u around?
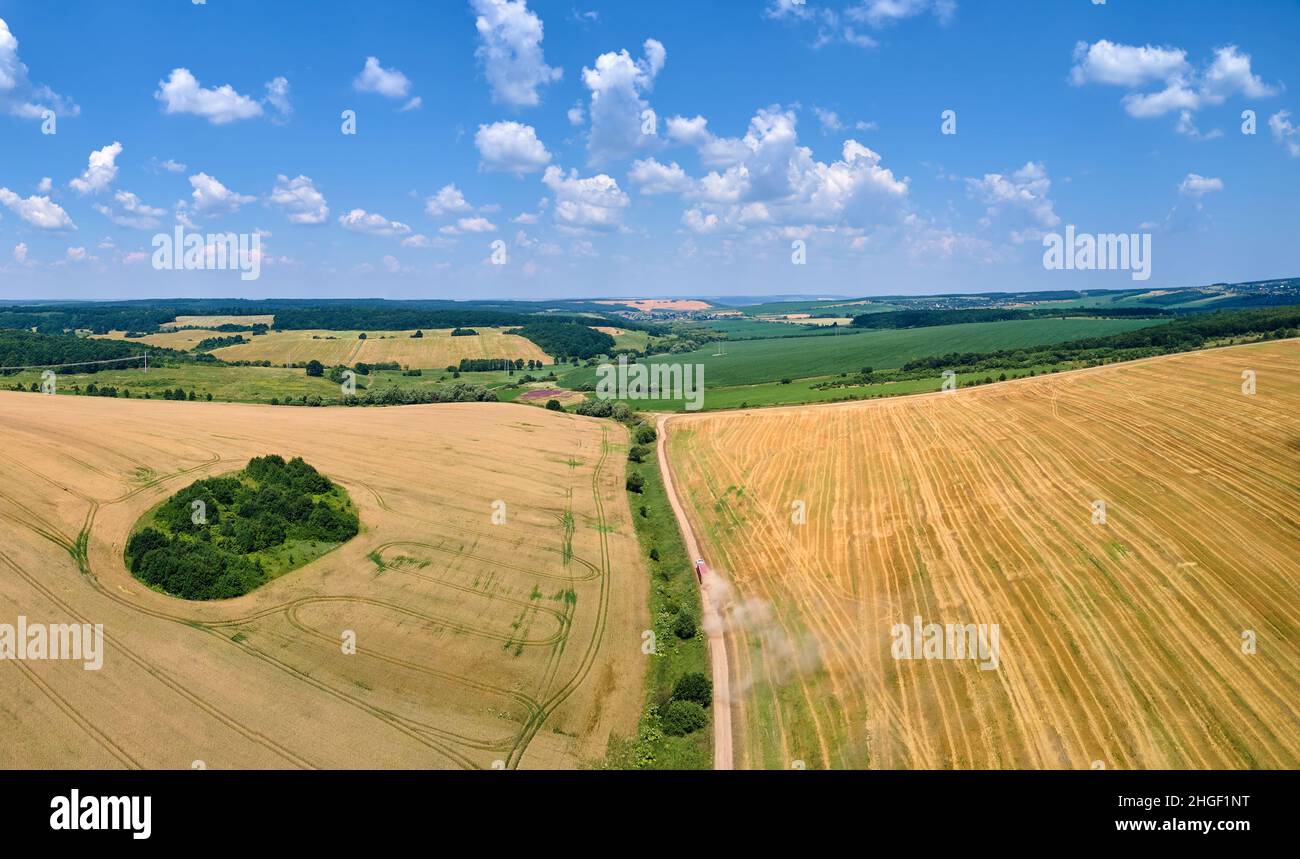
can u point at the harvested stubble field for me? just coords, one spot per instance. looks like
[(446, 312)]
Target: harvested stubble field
[(214, 321), (1120, 643), (436, 349), (475, 642), (182, 340)]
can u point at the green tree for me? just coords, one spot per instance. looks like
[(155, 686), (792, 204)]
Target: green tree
[(683, 717), (694, 686), (315, 368)]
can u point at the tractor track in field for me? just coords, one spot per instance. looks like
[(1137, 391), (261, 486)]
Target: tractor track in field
[(531, 712)]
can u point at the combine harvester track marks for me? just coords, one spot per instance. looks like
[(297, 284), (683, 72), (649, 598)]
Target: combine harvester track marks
[(496, 534), (72, 713), (1200, 543), (211, 709), (560, 618), (389, 719), (595, 571), (162, 677), (524, 701), (593, 645), (291, 608)]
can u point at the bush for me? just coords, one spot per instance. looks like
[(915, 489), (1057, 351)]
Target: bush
[(683, 717), (684, 626), (644, 434), (635, 482), (694, 687), (637, 453), (595, 408), (554, 405), (315, 368)]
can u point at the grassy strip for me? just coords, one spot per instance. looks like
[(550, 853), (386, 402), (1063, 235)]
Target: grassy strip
[(672, 589)]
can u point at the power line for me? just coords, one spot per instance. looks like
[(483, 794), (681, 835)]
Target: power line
[(76, 364)]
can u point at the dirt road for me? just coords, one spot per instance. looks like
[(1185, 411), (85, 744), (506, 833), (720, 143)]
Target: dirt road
[(712, 620)]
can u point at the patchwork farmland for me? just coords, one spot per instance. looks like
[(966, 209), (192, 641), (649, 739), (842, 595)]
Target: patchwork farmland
[(436, 349), (478, 643), (1123, 642)]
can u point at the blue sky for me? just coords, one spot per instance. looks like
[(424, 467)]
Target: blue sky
[(774, 121)]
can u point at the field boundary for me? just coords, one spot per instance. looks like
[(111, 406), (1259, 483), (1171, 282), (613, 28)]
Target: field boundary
[(723, 757)]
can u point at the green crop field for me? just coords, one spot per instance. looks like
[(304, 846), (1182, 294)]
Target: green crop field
[(233, 384), (753, 362), (755, 329), (855, 306)]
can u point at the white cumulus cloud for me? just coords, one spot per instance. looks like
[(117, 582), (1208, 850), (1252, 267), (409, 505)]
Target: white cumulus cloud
[(100, 171), (1285, 132), (595, 202), (370, 223), (386, 82), (448, 200), (181, 93), (210, 197), (39, 211), (511, 147), (128, 210), (1196, 185), (510, 49), (619, 118), (302, 203), (18, 95)]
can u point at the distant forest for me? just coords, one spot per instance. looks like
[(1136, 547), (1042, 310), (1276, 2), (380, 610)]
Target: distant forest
[(928, 318), (338, 315), (1181, 335), (25, 349), (565, 340)]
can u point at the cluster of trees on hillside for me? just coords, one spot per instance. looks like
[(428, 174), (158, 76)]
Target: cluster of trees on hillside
[(928, 318), (684, 338), (1181, 335), (209, 343), (565, 340), (205, 551), (488, 365), (26, 349), (455, 393)]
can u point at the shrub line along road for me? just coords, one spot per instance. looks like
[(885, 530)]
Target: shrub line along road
[(711, 621)]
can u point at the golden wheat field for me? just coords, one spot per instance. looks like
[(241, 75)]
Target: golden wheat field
[(478, 643), (1123, 637), (436, 349), (214, 321), (182, 340)]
